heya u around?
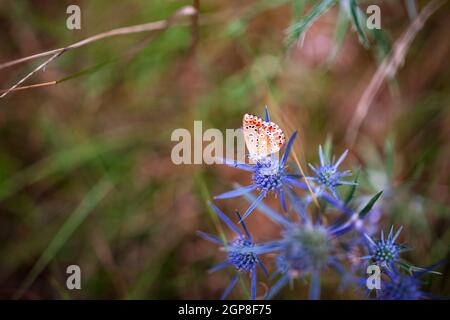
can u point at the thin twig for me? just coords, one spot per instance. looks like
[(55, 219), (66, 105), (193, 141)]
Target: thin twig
[(152, 26), (41, 66), (32, 86), (388, 68)]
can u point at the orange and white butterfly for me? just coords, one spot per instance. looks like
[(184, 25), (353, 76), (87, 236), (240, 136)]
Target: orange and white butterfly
[(261, 137)]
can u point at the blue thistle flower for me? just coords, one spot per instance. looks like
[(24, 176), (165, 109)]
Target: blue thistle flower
[(406, 286), (242, 253), (268, 175), (385, 252), (327, 174), (244, 262), (306, 248), (401, 287)]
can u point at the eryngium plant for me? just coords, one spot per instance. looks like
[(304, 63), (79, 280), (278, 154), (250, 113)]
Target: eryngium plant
[(321, 229)]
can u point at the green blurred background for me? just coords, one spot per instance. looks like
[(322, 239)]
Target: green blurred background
[(86, 176)]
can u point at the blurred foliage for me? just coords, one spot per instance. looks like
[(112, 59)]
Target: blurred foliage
[(85, 171)]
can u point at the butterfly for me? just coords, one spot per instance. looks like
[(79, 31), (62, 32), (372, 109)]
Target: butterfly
[(261, 137)]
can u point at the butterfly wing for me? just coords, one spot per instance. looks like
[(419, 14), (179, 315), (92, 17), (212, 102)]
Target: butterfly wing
[(262, 138), (274, 136), (251, 126)]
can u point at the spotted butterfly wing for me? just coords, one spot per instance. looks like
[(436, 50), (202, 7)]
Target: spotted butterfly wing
[(262, 138)]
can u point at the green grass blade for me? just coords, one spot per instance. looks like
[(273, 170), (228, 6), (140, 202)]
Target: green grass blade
[(353, 188), (342, 26), (296, 30), (369, 205), (204, 194), (328, 148), (383, 45), (86, 71), (60, 162), (87, 205), (389, 155), (298, 8), (358, 19)]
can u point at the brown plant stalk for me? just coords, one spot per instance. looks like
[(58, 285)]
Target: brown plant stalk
[(388, 68), (146, 27)]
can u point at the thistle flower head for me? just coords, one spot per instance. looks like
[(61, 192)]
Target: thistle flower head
[(327, 175), (305, 250), (241, 252), (385, 252), (401, 287), (268, 175), (239, 255), (307, 247)]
